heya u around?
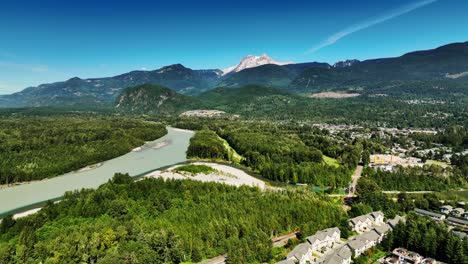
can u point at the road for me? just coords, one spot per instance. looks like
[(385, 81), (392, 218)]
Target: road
[(355, 178), (282, 240), (216, 260), (396, 192)]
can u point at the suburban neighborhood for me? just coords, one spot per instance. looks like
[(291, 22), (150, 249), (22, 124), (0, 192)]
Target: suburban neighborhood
[(327, 246)]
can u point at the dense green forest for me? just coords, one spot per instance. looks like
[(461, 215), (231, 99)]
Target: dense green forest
[(427, 178), (157, 221), (34, 148), (265, 103), (279, 151), (205, 144), (429, 238)]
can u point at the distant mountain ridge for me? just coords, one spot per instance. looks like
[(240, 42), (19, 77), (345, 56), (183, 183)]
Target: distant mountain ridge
[(445, 66), (420, 66), (105, 90)]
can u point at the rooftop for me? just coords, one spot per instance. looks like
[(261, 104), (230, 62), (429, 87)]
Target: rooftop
[(299, 251), (424, 212), (321, 235)]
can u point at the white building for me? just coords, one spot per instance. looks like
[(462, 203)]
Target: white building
[(325, 239), (364, 223), (301, 254)]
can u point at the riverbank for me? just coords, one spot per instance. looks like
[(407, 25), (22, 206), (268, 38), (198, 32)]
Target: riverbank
[(223, 174), (171, 150)]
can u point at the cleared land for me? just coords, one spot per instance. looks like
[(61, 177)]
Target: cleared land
[(331, 161), (233, 155), (334, 95), (222, 174)]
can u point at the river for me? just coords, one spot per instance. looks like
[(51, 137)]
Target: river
[(165, 151)]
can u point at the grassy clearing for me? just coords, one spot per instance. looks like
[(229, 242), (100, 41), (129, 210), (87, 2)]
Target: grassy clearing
[(195, 169), (233, 155), (436, 162), (454, 195), (331, 161)]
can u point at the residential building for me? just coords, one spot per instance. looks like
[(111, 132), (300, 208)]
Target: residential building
[(465, 215), (377, 217), (382, 231), (364, 242), (325, 239), (461, 235), (286, 261), (457, 212), (364, 223), (301, 254), (446, 209), (334, 259), (356, 246), (345, 253), (393, 222), (430, 214), (457, 221)]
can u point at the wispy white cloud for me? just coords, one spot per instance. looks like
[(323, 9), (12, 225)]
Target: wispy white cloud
[(369, 23)]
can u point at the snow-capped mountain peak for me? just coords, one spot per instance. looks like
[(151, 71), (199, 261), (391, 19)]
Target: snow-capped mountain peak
[(252, 61)]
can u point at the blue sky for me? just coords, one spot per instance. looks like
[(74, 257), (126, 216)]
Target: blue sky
[(46, 41)]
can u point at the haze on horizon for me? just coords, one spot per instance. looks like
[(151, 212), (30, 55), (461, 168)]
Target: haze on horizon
[(52, 40)]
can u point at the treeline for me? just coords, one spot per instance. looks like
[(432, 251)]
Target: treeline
[(453, 136), (317, 174), (428, 238), (392, 110), (285, 152), (205, 144), (370, 198), (157, 221), (34, 148), (427, 178)]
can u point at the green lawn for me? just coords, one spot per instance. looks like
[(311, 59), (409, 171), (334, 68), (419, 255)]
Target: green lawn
[(436, 162), (331, 161), (233, 155), (454, 195)]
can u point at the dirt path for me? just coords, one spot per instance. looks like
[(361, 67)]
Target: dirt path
[(355, 178), (396, 192), (282, 240), (215, 260)]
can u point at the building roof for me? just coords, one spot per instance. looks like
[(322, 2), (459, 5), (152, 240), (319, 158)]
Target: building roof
[(428, 213), (369, 236), (371, 216), (376, 213), (382, 230), (299, 251), (333, 259), (447, 207), (344, 252), (361, 218), (286, 261), (321, 235), (457, 221), (461, 235), (393, 222), (355, 244)]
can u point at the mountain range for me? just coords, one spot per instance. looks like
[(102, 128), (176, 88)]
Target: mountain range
[(430, 69)]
